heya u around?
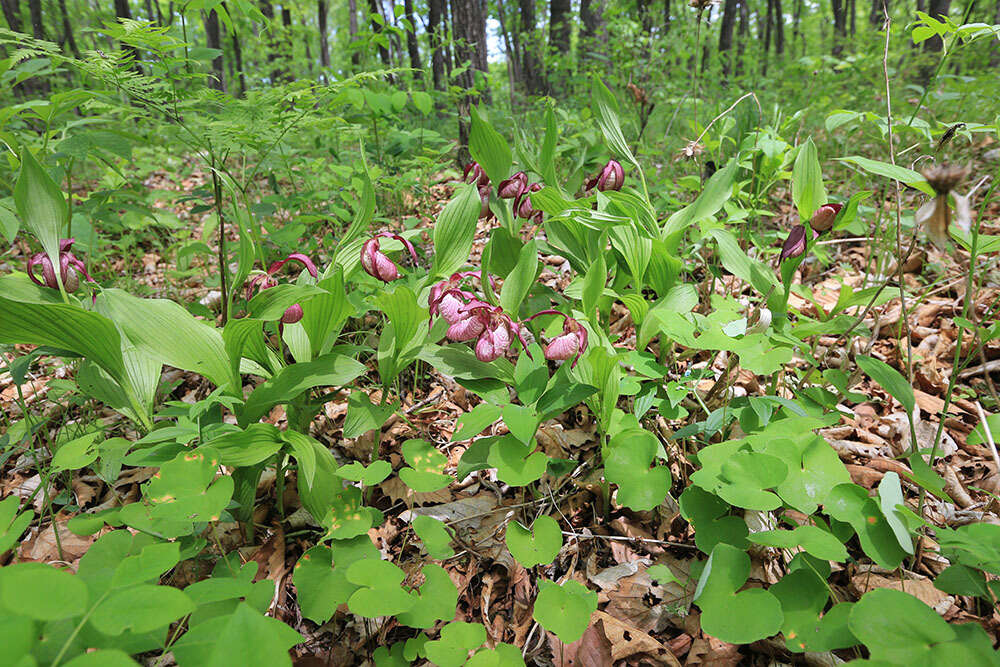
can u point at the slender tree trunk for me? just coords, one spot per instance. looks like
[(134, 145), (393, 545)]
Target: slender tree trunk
[(726, 34), (352, 32), (531, 66), (412, 47), (839, 8), (435, 14), (469, 28), (645, 16), (797, 21), (149, 11), (852, 13), (68, 37), (593, 36), (936, 9), (37, 24), (324, 38), (383, 48), (743, 34), (666, 16), (238, 57), (875, 16), (12, 13), (213, 36), (560, 26), (779, 27), (768, 23)]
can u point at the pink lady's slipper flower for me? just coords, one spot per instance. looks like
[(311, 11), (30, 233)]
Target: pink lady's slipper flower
[(493, 329), (824, 217), (69, 268), (611, 177), (570, 344), (484, 197), (447, 299), (513, 186), (263, 281), (474, 173), (522, 204), (374, 261)]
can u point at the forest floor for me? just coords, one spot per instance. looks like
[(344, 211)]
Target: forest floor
[(640, 621)]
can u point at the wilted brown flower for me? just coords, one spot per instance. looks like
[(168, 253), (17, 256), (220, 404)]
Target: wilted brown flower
[(935, 216), (944, 177)]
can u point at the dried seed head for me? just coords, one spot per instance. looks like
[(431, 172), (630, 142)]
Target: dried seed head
[(944, 177)]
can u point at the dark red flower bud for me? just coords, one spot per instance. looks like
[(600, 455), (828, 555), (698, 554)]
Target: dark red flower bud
[(513, 186), (484, 197), (824, 217), (611, 177), (69, 268), (377, 264), (522, 203), (474, 174), (795, 244)]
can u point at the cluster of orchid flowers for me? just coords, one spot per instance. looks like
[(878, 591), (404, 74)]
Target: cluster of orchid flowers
[(821, 221), (262, 281), (70, 268)]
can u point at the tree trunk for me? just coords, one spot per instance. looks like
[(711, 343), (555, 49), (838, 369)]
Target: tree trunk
[(324, 38), (238, 57), (796, 21), (592, 20), (645, 17), (560, 26), (726, 34), (531, 65), (666, 16), (352, 32), (123, 11), (469, 28), (779, 28), (875, 17), (852, 12), (12, 12), (768, 23), (68, 37), (435, 14), (743, 34), (383, 48), (37, 25), (937, 9), (411, 39), (839, 8), (213, 36)]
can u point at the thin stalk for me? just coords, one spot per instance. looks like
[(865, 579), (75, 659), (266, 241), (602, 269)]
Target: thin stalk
[(223, 261)]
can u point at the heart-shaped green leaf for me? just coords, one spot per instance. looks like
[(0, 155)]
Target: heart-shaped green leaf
[(435, 537), (565, 610), (537, 545)]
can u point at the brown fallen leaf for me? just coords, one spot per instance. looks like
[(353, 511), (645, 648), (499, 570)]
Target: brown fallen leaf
[(628, 640), (593, 649), (923, 589)]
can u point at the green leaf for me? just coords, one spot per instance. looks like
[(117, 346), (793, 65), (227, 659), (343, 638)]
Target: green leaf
[(41, 205), (502, 655), (77, 453), (363, 415), (320, 576), (850, 503), (434, 601), (9, 224), (427, 465), (890, 495), (627, 459), (901, 174), (12, 524), (436, 538), (564, 610), (141, 608), (605, 108), (380, 593), (890, 379), (535, 546), (808, 192), (367, 475), (520, 280), (457, 639), (474, 422), (455, 230), (186, 488), (517, 464), (897, 627), (521, 421), (423, 102), (332, 370), (737, 618), (710, 517), (247, 447), (167, 332), (244, 637), (103, 658), (488, 147), (42, 592), (816, 542), (148, 565), (803, 596), (717, 192)]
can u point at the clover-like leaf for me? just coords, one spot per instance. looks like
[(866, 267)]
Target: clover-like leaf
[(186, 488), (711, 520), (427, 465), (42, 592), (435, 537), (814, 469), (457, 639), (737, 618), (899, 628), (380, 593), (537, 545), (434, 601), (565, 610), (627, 460), (521, 421), (12, 524), (816, 541), (259, 640), (890, 495), (746, 475), (140, 609), (348, 517), (850, 504), (502, 655), (320, 576), (367, 475), (515, 462), (803, 596)]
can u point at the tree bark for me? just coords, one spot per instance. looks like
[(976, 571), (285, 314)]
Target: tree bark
[(469, 28), (852, 13), (666, 16), (743, 34), (531, 65), (37, 25), (435, 14), (796, 21), (726, 26), (383, 49), (324, 38), (238, 57), (213, 36), (411, 39), (839, 8), (592, 20), (937, 9), (12, 13), (875, 16), (68, 37), (560, 26), (779, 27), (645, 16)]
